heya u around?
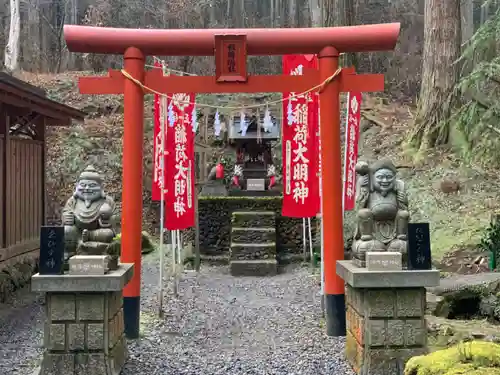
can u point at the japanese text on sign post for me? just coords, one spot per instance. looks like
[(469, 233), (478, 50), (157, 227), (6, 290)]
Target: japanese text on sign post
[(231, 58), (180, 163), (51, 250), (51, 244), (419, 246), (160, 117), (351, 149), (419, 239), (300, 122)]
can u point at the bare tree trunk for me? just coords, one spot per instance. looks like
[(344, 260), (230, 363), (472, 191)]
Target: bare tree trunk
[(13, 45), (213, 17), (467, 27), (350, 59), (272, 11), (292, 17), (72, 63), (240, 15), (485, 10), (440, 73), (341, 13), (467, 21), (282, 13), (229, 13), (316, 13)]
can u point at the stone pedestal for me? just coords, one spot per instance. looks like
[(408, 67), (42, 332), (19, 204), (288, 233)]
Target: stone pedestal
[(84, 330), (214, 189), (385, 317)]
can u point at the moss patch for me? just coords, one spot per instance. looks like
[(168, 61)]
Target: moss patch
[(147, 244), (475, 357), (147, 321), (446, 332)]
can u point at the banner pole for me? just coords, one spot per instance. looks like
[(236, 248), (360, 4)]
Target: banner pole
[(311, 253), (322, 265), (163, 119), (304, 239), (162, 265), (163, 108), (179, 252), (174, 268)]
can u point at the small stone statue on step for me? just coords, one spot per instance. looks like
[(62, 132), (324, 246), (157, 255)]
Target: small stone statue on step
[(214, 186), (216, 173), (88, 217), (382, 218)]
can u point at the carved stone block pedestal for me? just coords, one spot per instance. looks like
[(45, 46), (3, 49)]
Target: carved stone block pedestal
[(84, 330), (214, 189), (385, 317)]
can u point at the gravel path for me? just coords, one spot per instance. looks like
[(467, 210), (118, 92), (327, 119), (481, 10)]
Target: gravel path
[(21, 333), (226, 325), (218, 325)]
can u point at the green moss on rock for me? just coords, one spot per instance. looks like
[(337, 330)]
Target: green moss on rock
[(147, 244), (6, 286), (471, 358)]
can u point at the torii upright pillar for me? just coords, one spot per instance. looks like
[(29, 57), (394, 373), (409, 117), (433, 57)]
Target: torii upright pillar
[(327, 42)]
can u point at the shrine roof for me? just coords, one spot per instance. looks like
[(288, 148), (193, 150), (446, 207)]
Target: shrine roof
[(22, 96)]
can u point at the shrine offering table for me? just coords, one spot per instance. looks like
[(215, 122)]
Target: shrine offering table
[(84, 330), (385, 317)]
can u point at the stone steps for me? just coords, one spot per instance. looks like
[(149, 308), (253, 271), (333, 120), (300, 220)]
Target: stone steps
[(220, 260), (253, 235), (257, 219), (253, 244), (254, 267), (242, 251)]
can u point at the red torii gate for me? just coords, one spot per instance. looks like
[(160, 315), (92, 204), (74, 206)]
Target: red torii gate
[(231, 47)]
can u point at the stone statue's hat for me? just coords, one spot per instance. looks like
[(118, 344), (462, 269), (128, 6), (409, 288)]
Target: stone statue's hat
[(90, 173), (383, 164)]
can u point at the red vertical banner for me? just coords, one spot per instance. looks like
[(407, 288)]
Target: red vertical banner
[(320, 165), (300, 147), (158, 162), (180, 168), (351, 149)]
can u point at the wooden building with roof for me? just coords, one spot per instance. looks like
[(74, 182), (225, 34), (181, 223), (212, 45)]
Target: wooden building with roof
[(25, 112)]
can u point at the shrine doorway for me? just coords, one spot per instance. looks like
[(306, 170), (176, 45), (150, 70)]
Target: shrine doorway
[(231, 48)]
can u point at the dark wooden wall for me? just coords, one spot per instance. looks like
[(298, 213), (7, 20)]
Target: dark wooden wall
[(22, 192)]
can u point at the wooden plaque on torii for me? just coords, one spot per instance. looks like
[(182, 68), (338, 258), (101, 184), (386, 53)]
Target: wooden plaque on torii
[(231, 58)]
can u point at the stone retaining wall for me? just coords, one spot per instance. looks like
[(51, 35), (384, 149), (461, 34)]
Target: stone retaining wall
[(16, 273)]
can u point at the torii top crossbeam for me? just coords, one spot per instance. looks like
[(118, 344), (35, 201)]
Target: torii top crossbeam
[(200, 42)]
